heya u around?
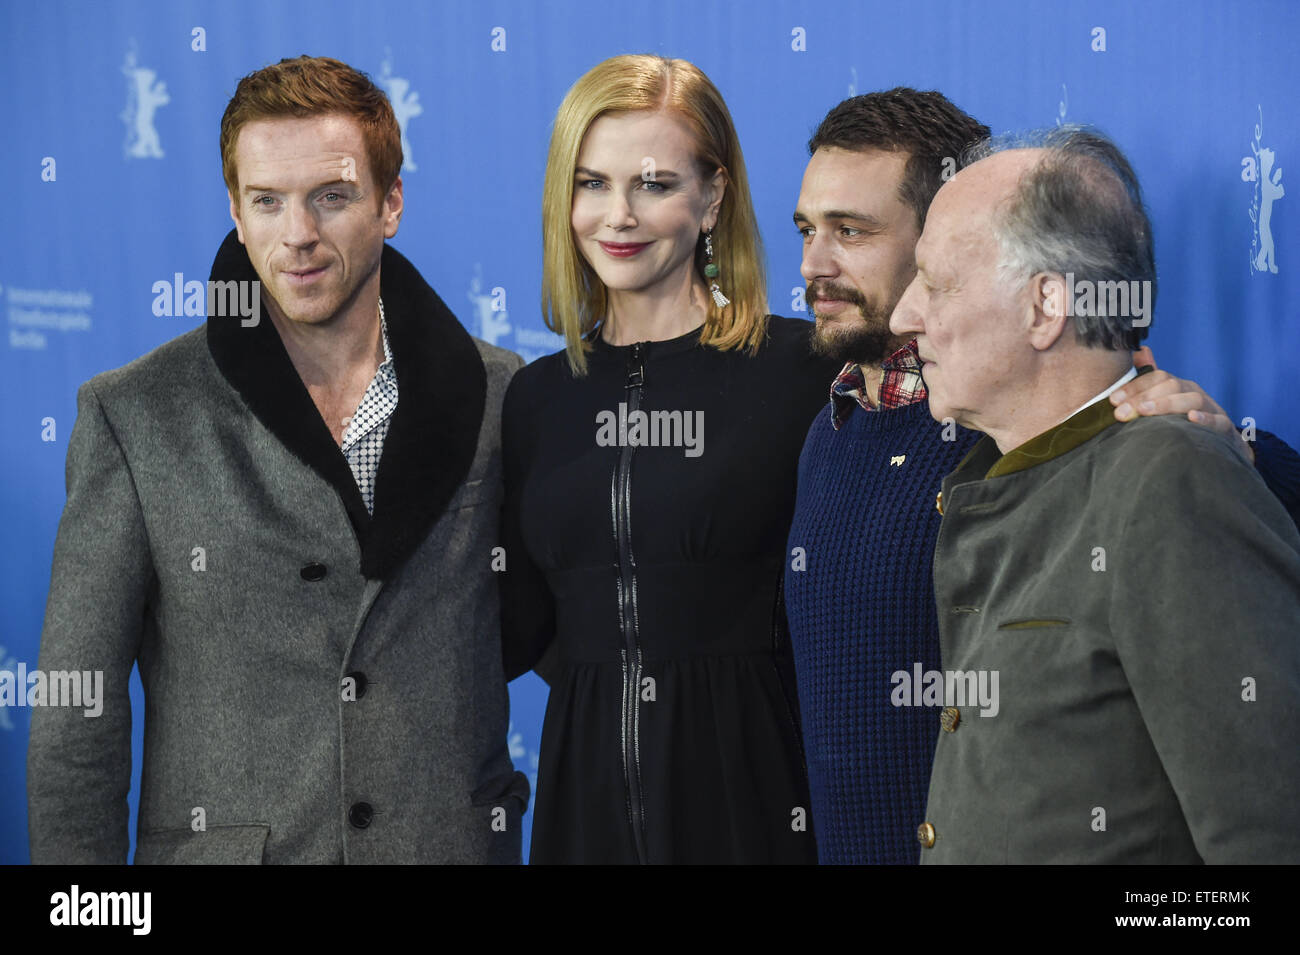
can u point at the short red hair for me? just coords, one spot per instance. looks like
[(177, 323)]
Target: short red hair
[(315, 86)]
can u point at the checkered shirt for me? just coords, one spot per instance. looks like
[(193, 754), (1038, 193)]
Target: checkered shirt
[(900, 386), (363, 441)]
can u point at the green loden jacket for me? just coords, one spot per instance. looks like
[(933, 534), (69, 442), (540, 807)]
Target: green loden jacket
[(1137, 589)]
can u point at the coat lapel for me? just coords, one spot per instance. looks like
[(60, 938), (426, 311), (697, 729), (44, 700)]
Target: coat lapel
[(432, 437)]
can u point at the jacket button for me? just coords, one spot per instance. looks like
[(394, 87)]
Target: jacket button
[(313, 572), (361, 814), (949, 717), (925, 835), (938, 503), (359, 682)]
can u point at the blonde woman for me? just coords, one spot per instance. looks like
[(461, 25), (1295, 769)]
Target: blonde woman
[(650, 476)]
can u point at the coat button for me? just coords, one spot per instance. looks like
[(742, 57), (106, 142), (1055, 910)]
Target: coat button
[(359, 682), (313, 572), (949, 717), (938, 503), (361, 814), (925, 835)]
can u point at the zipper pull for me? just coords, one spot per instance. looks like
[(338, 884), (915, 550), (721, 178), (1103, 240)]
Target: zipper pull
[(636, 366)]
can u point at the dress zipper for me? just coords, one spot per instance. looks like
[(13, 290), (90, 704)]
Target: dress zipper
[(621, 506)]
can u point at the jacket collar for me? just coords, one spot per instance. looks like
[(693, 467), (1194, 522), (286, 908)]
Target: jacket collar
[(984, 461), (432, 437), (1082, 426)]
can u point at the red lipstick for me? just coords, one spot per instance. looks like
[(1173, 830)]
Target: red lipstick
[(623, 250)]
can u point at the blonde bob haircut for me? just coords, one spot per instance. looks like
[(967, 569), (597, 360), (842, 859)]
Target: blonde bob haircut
[(573, 297)]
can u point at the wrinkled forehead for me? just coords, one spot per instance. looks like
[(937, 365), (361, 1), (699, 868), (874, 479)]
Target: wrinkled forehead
[(958, 220), (294, 153)]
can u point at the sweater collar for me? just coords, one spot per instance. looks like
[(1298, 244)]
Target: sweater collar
[(433, 436)]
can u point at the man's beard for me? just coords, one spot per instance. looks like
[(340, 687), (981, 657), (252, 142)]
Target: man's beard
[(866, 341)]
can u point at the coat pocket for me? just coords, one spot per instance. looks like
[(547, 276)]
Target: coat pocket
[(1033, 623), (217, 845)]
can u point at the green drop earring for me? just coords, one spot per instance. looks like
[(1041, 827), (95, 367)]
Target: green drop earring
[(711, 272)]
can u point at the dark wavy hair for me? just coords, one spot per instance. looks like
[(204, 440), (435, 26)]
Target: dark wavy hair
[(924, 124)]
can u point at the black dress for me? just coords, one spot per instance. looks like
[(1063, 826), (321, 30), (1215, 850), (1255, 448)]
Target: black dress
[(651, 551)]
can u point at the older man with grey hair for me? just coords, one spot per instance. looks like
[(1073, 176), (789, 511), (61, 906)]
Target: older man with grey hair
[(1129, 591)]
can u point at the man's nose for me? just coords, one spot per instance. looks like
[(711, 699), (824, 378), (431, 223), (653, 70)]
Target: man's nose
[(818, 262), (907, 318), (300, 226)]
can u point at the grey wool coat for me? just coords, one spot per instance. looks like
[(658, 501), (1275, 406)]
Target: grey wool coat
[(321, 685), (1136, 587)]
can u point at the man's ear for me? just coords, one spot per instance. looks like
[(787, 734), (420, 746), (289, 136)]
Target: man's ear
[(234, 214), (392, 209), (717, 189), (1048, 309)]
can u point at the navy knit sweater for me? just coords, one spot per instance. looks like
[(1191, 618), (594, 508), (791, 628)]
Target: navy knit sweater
[(862, 609)]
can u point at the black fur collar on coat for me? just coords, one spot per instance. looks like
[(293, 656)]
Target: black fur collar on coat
[(432, 436)]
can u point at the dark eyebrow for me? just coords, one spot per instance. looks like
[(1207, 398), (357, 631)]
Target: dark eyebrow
[(840, 215)]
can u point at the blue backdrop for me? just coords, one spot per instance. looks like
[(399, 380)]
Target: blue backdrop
[(113, 181)]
